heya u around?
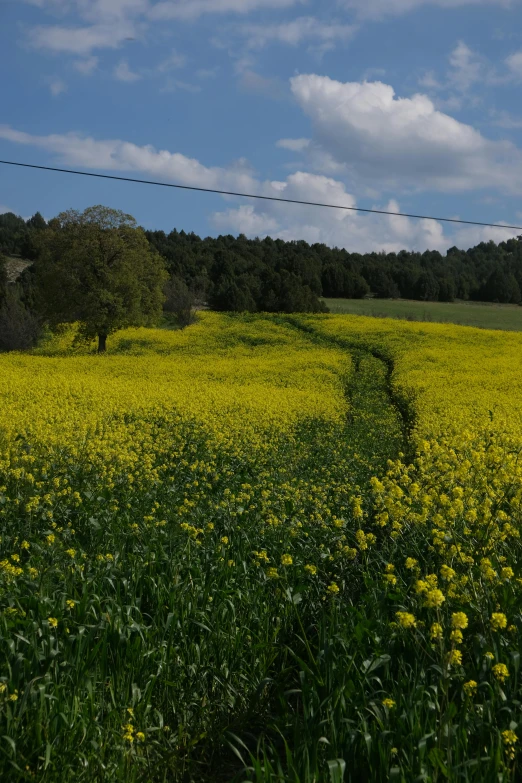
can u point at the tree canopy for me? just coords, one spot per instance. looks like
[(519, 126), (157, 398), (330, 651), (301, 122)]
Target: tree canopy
[(97, 268)]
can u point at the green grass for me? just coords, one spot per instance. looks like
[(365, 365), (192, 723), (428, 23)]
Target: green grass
[(480, 314)]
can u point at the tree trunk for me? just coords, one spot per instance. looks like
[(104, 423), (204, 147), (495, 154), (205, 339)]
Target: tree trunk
[(102, 343)]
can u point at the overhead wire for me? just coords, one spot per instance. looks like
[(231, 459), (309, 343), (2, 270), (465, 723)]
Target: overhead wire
[(255, 195)]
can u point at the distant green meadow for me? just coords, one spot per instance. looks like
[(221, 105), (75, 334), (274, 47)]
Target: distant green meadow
[(479, 314)]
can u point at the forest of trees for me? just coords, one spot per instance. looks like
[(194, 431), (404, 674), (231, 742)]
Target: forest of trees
[(271, 275)]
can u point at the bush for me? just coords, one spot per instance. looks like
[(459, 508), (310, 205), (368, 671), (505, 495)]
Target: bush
[(19, 328), (180, 301)]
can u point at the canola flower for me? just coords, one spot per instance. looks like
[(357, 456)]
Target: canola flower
[(131, 473)]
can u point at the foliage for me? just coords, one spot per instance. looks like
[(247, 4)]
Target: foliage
[(96, 268), (19, 327), (180, 301)]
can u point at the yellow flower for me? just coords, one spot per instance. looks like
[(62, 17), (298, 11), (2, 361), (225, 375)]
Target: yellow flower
[(70, 604), (498, 621), (53, 622), (436, 631), (70, 552), (455, 658), (406, 620), (3, 687), (388, 703), (25, 545), (470, 688), (489, 656), (434, 598), (456, 636), (507, 573), (140, 736), (333, 588), (272, 573), (459, 620), (286, 560), (311, 569), (410, 563), (500, 670), (13, 696), (509, 737), (224, 540)]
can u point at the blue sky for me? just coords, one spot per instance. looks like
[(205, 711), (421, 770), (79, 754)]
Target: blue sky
[(406, 105)]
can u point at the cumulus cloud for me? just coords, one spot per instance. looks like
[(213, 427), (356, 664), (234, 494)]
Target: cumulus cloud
[(294, 32), (355, 231), (402, 142)]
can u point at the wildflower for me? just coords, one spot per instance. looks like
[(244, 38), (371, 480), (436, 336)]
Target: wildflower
[(388, 703), (410, 563), (70, 604), (456, 636), (459, 620), (224, 540), (509, 738), (455, 658), (391, 579), (14, 696), (53, 622), (140, 736), (434, 598), (272, 573), (436, 631), (51, 538), (25, 545), (3, 687), (500, 670), (406, 620), (333, 588), (470, 688), (286, 560), (498, 621), (15, 558), (507, 573), (311, 569), (447, 573), (70, 552), (231, 563), (489, 656), (33, 573)]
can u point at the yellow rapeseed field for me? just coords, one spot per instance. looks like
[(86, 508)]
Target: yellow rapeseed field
[(263, 526)]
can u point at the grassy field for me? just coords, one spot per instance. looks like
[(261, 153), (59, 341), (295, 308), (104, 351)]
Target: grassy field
[(478, 314), (263, 549)]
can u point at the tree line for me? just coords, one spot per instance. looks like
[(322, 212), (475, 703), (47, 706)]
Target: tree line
[(100, 269)]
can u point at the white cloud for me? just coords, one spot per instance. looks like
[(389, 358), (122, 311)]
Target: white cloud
[(192, 9), (294, 32), (377, 9), (503, 119), (207, 73), (466, 68), (295, 145), (514, 63), (402, 142), (118, 155), (86, 66), (80, 40), (123, 73), (355, 231), (253, 82), (57, 87), (173, 61)]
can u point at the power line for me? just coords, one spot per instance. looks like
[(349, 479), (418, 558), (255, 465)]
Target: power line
[(252, 195)]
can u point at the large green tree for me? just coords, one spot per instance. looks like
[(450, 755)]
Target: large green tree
[(98, 269)]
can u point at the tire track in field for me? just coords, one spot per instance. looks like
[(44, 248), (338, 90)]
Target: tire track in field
[(380, 419)]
